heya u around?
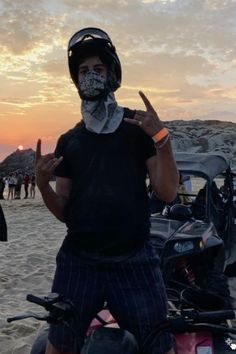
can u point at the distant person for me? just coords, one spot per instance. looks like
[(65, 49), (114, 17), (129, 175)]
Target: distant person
[(26, 185), (11, 186), (2, 186), (32, 185), (19, 182), (6, 182)]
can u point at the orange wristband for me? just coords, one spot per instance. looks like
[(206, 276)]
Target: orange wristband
[(160, 135)]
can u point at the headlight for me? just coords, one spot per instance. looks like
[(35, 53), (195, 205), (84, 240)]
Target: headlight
[(183, 246)]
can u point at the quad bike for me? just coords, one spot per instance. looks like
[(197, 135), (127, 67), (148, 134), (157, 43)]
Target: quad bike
[(196, 331)]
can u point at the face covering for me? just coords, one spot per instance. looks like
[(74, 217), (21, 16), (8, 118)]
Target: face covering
[(99, 109), (92, 86)]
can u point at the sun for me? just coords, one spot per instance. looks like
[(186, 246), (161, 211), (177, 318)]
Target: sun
[(20, 147)]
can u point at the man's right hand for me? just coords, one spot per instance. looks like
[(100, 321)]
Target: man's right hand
[(45, 166)]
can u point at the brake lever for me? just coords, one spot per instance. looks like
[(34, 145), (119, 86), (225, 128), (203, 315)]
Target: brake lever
[(28, 314)]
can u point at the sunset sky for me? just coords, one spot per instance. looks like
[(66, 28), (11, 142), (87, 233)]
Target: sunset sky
[(181, 53)]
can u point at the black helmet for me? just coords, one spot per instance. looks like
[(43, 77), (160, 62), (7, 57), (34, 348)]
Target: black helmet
[(94, 41)]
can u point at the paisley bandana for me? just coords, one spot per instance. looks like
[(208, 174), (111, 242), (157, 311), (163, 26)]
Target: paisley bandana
[(103, 115), (91, 85)]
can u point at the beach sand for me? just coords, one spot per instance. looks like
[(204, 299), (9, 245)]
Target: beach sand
[(27, 266)]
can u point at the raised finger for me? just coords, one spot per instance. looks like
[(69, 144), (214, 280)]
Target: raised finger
[(146, 101), (38, 150)]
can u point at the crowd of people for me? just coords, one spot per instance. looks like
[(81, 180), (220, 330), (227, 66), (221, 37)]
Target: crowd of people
[(12, 185)]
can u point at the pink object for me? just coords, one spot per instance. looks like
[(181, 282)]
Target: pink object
[(194, 343), (106, 316)]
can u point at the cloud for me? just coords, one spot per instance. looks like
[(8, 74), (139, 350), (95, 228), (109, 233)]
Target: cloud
[(54, 67), (181, 53), (202, 25), (224, 92), (26, 25)]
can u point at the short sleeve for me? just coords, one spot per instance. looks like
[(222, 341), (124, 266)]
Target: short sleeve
[(63, 169)]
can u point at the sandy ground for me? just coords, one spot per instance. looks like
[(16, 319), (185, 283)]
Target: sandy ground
[(27, 266)]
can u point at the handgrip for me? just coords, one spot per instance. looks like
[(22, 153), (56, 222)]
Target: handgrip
[(215, 315), (36, 300)]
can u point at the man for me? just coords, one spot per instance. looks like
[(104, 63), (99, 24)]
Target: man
[(19, 181), (101, 195), (26, 184)]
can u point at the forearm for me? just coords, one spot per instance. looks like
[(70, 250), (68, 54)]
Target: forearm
[(53, 202), (166, 180)]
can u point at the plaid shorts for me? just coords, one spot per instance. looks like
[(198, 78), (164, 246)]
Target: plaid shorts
[(133, 289)]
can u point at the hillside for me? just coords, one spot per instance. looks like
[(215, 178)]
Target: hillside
[(204, 136), (191, 136), (19, 160)]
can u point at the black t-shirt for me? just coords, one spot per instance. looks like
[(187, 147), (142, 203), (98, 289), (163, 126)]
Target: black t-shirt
[(107, 210)]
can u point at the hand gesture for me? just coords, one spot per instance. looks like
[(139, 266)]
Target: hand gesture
[(45, 166), (147, 120)]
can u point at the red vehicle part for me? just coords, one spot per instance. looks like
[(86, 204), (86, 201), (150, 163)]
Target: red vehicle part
[(186, 343), (194, 343)]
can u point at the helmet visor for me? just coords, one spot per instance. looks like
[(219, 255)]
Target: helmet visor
[(87, 33)]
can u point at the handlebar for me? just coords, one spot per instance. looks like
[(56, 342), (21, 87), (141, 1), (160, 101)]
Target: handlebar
[(48, 301), (27, 314), (36, 300), (192, 320), (208, 316), (61, 309)]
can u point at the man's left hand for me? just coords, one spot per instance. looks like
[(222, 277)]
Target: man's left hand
[(147, 120)]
